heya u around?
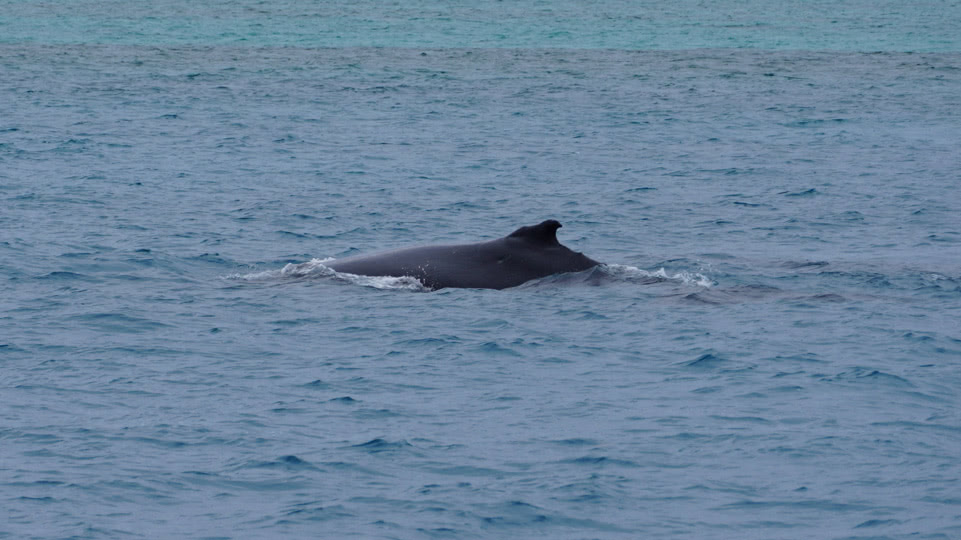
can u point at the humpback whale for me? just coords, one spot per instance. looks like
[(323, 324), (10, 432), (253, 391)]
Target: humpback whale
[(528, 253)]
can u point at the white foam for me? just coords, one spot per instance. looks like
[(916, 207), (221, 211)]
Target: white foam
[(405, 283), (317, 268), (314, 267), (311, 268), (624, 271)]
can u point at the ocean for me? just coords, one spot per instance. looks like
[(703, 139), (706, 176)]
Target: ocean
[(772, 349)]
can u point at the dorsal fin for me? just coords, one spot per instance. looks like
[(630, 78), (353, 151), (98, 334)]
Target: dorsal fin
[(544, 233)]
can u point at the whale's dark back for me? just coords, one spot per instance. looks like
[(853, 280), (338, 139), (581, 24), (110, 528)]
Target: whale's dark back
[(528, 253)]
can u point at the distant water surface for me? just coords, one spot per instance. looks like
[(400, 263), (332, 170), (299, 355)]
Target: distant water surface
[(848, 25), (771, 351)]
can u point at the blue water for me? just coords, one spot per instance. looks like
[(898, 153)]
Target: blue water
[(771, 351)]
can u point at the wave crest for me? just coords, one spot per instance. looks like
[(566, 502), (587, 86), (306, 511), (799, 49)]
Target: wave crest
[(633, 274), (317, 268)]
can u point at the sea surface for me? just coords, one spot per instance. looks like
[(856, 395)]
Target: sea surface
[(771, 351)]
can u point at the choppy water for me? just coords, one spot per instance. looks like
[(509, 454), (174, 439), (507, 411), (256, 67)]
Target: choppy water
[(772, 351), (847, 25)]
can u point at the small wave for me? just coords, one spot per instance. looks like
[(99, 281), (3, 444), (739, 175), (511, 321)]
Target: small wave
[(64, 275), (311, 268), (600, 461), (288, 462), (634, 274), (317, 268), (381, 445), (405, 283), (707, 360)]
